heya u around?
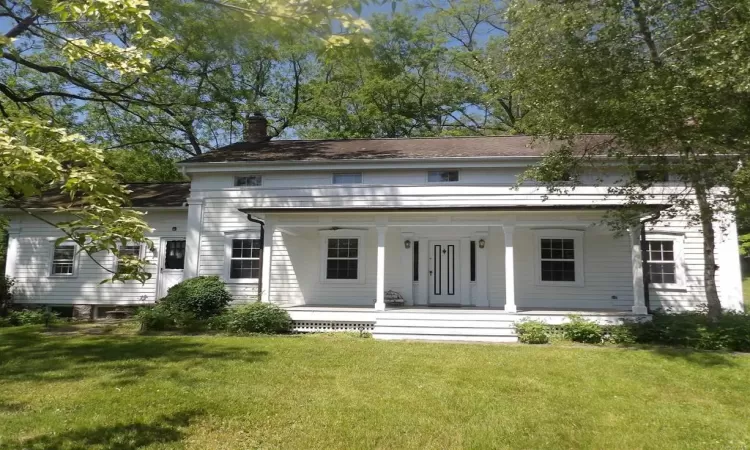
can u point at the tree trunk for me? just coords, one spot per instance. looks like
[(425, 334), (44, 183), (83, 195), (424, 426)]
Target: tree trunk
[(709, 245)]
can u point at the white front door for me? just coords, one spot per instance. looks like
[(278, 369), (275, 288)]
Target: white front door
[(444, 281), (171, 264)]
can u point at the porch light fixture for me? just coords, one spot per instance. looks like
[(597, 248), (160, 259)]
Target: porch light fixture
[(407, 244), (481, 243)]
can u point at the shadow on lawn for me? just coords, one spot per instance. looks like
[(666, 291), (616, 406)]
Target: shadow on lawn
[(701, 358), (165, 429), (27, 354)]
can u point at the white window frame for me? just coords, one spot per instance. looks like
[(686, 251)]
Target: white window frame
[(678, 241), (578, 252), (228, 238), (342, 234), (237, 177), (76, 258), (141, 252), (427, 176), (361, 178)]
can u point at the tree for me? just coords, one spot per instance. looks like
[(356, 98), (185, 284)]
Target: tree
[(667, 80), (475, 34), (400, 85), (76, 75)]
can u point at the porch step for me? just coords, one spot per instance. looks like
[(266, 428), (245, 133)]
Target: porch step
[(445, 326), (421, 337)]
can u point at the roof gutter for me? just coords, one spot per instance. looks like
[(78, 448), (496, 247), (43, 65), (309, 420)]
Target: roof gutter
[(262, 224)]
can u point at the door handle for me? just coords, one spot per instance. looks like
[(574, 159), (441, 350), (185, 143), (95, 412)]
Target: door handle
[(430, 273)]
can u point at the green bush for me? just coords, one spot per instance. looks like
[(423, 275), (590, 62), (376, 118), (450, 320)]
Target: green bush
[(6, 294), (619, 334), (201, 297), (579, 329), (532, 332), (154, 319), (32, 317), (258, 318), (693, 329)]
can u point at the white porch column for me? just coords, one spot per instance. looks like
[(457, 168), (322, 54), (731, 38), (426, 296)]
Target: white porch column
[(380, 284), (193, 237), (269, 231), (639, 299), (510, 278)]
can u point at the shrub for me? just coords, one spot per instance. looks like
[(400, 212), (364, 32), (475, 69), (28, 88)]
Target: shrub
[(619, 334), (258, 318), (736, 329), (6, 294), (582, 330), (532, 332), (154, 319), (693, 329), (202, 297), (32, 317)]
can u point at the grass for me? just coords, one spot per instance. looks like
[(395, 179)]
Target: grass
[(117, 390)]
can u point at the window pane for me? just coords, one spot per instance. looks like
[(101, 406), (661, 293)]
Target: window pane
[(473, 261), (251, 180), (347, 178), (175, 255), (64, 252), (442, 176), (558, 271), (558, 248), (62, 268), (415, 261), (342, 269), (244, 268), (662, 273)]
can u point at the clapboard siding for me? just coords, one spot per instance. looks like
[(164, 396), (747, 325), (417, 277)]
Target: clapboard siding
[(32, 271)]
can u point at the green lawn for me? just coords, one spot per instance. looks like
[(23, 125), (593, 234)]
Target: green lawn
[(121, 391)]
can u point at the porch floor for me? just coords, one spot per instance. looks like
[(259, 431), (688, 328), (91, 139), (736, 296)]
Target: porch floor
[(461, 310)]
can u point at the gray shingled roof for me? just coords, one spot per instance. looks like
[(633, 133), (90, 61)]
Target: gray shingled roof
[(377, 149), (143, 195)]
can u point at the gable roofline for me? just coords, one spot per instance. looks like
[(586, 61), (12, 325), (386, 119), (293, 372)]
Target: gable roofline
[(143, 196), (343, 151)]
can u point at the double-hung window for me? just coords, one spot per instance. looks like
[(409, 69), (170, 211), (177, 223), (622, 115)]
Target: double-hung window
[(244, 259), (64, 260), (342, 257), (662, 258), (342, 262), (131, 250), (559, 259)]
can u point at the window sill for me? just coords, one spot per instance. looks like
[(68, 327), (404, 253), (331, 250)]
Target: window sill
[(242, 280), (667, 287), (64, 276), (340, 281), (560, 283)]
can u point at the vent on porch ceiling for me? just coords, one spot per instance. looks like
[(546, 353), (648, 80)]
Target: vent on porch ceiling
[(332, 326)]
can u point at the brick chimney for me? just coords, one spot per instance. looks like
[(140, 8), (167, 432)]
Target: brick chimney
[(255, 129)]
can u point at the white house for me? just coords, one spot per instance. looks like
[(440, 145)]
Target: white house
[(330, 229)]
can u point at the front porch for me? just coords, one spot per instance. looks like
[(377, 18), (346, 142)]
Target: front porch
[(550, 262), (433, 323)]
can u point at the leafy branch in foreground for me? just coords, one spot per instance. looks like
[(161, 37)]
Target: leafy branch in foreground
[(35, 158)]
